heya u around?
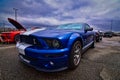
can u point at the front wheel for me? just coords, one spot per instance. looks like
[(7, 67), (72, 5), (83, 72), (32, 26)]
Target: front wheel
[(17, 37), (75, 55)]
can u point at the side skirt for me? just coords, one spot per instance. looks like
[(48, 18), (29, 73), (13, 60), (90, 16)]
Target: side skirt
[(87, 46)]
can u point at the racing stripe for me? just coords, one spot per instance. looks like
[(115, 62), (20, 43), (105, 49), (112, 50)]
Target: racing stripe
[(33, 31), (21, 47)]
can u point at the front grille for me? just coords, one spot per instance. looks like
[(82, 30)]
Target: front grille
[(53, 55), (29, 40), (28, 58)]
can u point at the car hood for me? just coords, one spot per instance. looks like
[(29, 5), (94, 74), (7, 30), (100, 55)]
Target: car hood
[(53, 33), (16, 24)]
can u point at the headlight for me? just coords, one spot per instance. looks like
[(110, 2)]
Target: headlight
[(53, 43), (56, 44)]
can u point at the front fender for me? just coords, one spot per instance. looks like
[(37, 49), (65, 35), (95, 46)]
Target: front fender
[(73, 38)]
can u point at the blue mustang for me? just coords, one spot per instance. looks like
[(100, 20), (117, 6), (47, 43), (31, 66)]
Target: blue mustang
[(55, 49)]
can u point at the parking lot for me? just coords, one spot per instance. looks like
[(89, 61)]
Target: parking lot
[(100, 63)]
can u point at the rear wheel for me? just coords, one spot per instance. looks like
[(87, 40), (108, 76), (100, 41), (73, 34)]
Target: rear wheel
[(75, 55)]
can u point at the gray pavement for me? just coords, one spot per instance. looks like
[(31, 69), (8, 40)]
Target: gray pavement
[(92, 63)]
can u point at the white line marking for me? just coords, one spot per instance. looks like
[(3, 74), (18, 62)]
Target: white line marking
[(6, 47)]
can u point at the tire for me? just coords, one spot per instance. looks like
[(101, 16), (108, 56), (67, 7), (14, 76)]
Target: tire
[(98, 39), (75, 55), (16, 39), (101, 39)]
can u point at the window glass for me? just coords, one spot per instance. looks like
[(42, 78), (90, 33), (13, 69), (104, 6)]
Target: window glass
[(70, 26)]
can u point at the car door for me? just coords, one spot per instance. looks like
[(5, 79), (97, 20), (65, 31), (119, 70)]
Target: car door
[(88, 35)]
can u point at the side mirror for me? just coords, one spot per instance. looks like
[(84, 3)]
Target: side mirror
[(89, 29)]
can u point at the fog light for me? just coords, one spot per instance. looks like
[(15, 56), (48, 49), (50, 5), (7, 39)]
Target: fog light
[(51, 63)]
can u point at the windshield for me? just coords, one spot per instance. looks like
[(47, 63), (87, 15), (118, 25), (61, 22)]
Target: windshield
[(74, 26)]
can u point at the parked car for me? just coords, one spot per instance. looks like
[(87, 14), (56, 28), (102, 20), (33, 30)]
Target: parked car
[(12, 36), (55, 49), (108, 34), (116, 33), (98, 35)]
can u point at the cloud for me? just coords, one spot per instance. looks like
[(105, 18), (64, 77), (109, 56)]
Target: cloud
[(85, 9), (60, 11), (50, 20)]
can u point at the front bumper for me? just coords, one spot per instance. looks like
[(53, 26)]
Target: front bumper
[(41, 59)]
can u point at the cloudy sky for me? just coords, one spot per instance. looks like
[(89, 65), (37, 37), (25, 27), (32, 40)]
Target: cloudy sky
[(54, 12)]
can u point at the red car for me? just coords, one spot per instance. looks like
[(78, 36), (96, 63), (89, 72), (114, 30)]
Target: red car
[(12, 36)]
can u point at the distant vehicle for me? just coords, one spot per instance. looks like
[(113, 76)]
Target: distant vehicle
[(98, 35), (116, 33), (12, 36), (55, 49), (108, 34)]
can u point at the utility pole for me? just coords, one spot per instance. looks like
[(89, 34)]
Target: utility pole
[(15, 9), (4, 26), (111, 24)]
